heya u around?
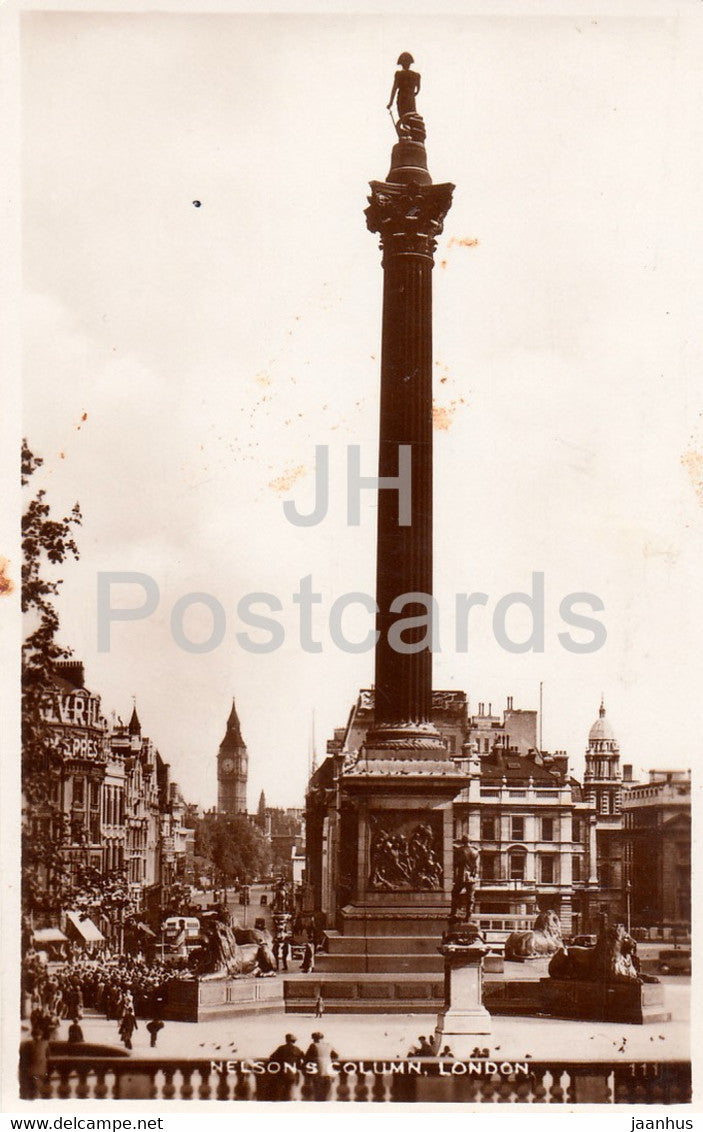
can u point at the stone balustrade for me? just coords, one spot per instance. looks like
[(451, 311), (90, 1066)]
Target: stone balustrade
[(431, 1080)]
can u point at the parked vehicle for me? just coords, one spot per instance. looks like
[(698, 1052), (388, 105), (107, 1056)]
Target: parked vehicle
[(584, 941), (676, 962)]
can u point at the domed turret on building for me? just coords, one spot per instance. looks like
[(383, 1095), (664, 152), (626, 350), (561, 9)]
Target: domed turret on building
[(603, 778), (601, 737)]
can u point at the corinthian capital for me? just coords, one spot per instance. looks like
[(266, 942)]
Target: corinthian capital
[(408, 217)]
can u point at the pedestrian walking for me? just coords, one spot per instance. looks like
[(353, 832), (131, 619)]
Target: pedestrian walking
[(319, 1006), (285, 952), (308, 963), (127, 1027), (153, 1029)]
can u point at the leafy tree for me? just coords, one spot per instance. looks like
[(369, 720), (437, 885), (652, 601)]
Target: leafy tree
[(236, 848), (45, 542)]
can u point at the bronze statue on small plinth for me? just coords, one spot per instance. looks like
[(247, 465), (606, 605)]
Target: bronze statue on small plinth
[(466, 876), (463, 949), (462, 930)]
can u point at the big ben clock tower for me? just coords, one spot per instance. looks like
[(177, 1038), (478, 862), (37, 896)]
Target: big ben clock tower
[(232, 769)]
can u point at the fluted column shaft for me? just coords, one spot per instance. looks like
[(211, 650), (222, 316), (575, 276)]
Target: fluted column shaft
[(408, 217), (404, 553)]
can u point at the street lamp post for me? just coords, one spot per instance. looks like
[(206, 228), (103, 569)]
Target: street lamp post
[(628, 894)]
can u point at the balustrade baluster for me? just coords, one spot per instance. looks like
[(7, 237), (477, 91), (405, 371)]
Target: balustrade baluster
[(506, 1090), (243, 1087), (204, 1091), (169, 1089), (158, 1081), (222, 1093), (473, 1090), (64, 1089), (101, 1089), (85, 1078), (524, 1090), (48, 1088), (187, 1084), (361, 1089), (488, 1089), (343, 1092), (570, 1092), (378, 1092), (540, 1086), (556, 1092)]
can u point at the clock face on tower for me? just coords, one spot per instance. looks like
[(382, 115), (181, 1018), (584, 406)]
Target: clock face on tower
[(227, 766)]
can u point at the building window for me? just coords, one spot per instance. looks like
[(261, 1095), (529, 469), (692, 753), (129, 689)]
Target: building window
[(576, 832), (489, 866), (547, 829), (517, 826), (78, 792), (576, 867), (605, 802), (488, 829), (547, 869), (517, 865)]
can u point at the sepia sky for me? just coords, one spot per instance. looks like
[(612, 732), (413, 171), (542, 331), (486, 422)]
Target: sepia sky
[(182, 362)]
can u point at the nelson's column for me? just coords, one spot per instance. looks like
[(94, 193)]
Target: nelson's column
[(388, 843)]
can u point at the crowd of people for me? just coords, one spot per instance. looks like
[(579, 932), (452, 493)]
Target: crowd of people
[(118, 988)]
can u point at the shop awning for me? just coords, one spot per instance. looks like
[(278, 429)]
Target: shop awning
[(85, 927), (48, 935)]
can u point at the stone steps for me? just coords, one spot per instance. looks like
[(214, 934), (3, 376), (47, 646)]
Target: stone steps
[(401, 994), (407, 962), (338, 944)]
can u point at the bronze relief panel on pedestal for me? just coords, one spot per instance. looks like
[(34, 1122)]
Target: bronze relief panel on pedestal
[(405, 851)]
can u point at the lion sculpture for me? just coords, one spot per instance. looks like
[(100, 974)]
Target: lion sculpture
[(612, 960), (544, 938), (231, 951)]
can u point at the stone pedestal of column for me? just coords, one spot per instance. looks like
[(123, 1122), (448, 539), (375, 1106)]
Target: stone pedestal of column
[(464, 1015)]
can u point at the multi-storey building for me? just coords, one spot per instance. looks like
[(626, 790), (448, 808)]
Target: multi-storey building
[(656, 842), (534, 828), (80, 736), (113, 827), (142, 813)]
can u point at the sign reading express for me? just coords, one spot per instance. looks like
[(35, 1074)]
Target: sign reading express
[(82, 743)]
